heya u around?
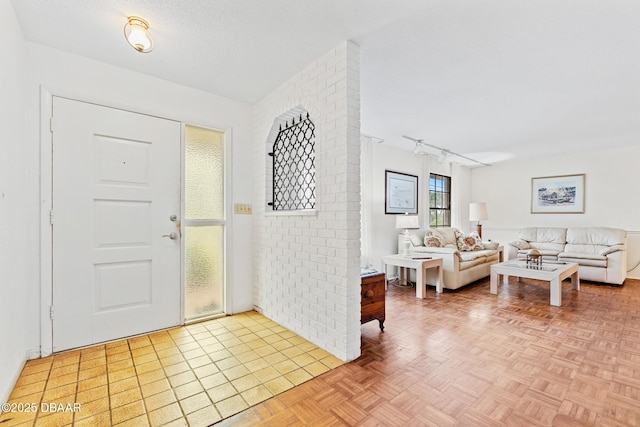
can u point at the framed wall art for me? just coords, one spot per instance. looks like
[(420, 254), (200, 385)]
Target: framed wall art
[(401, 191), (558, 194)]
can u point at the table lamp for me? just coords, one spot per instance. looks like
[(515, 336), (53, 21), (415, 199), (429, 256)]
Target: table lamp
[(478, 212), (407, 222)]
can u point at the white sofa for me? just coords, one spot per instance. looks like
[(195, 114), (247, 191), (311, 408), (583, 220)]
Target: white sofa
[(601, 252), (461, 267)]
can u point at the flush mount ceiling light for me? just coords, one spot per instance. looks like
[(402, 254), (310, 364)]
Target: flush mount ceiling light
[(136, 31)]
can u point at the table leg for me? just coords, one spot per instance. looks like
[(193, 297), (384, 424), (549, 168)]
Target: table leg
[(493, 286), (421, 287), (556, 292), (402, 276), (575, 281), (386, 275), (440, 281)]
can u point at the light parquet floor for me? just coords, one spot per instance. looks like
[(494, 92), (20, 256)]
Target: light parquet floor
[(469, 358)]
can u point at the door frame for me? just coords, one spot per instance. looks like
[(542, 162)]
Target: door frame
[(46, 230), (46, 200)]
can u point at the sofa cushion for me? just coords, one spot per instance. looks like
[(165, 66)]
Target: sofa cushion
[(426, 249), (544, 238), (546, 253), (602, 236), (548, 247), (468, 242), (446, 235), (472, 263), (472, 255), (595, 240), (593, 260), (473, 258), (543, 234)]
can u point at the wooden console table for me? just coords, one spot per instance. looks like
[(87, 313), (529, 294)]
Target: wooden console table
[(372, 293)]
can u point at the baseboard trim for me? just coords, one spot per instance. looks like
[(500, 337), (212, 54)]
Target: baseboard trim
[(33, 353), (4, 397)]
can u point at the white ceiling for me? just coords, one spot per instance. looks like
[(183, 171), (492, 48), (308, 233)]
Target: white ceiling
[(491, 79)]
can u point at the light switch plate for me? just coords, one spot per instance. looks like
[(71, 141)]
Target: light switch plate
[(242, 209)]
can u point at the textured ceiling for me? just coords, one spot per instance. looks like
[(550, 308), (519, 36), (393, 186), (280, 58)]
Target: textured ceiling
[(494, 79)]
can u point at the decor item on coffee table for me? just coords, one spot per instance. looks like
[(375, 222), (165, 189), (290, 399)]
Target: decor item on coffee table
[(534, 257), (554, 273), (421, 265)]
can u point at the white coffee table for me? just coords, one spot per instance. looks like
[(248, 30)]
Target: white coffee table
[(420, 265), (554, 273)]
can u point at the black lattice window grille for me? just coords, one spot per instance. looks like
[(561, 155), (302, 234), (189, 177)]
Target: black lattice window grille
[(294, 169)]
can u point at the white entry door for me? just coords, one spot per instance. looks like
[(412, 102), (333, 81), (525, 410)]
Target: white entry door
[(116, 244)]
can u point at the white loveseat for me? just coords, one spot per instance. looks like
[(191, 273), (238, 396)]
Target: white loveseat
[(601, 252), (461, 267)]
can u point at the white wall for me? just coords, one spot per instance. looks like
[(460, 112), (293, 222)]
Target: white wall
[(307, 266), (611, 195), (16, 258), (88, 80), (382, 234)]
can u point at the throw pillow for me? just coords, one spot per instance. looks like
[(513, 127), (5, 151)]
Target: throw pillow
[(468, 242), (432, 241)]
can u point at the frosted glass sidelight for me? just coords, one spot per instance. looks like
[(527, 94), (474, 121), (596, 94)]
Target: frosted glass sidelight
[(204, 173), (203, 222), (204, 275)]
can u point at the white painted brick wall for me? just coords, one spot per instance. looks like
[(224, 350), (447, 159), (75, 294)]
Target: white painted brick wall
[(307, 267)]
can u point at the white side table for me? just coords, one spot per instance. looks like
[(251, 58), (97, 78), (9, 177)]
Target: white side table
[(420, 265)]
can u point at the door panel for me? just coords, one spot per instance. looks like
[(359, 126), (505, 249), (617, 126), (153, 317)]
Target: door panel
[(116, 182)]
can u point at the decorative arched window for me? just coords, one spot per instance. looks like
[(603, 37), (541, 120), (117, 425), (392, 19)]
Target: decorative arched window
[(293, 166)]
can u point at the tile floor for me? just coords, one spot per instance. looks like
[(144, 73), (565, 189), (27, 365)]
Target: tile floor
[(189, 376)]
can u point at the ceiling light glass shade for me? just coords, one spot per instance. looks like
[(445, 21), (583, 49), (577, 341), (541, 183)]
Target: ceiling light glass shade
[(136, 31)]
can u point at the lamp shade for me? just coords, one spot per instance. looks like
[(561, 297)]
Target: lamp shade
[(478, 211), (136, 31), (407, 221)]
